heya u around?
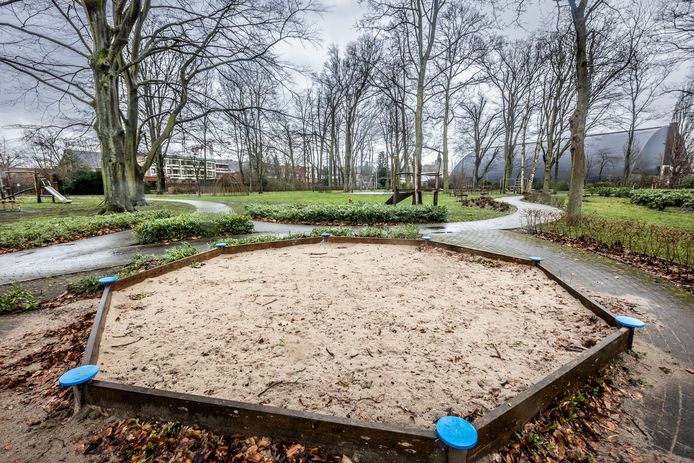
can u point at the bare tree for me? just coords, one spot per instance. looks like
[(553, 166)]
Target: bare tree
[(511, 70), (109, 40), (416, 21), (459, 45), (361, 57), (483, 128)]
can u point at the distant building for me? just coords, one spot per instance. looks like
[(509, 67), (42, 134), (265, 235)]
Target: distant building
[(177, 167), (604, 158)]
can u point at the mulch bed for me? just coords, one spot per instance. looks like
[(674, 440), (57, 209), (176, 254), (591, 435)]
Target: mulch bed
[(487, 202), (680, 275)]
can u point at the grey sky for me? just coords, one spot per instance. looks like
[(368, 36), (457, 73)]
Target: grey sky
[(336, 26)]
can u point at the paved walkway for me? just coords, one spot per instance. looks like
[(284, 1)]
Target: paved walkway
[(506, 222), (669, 411)]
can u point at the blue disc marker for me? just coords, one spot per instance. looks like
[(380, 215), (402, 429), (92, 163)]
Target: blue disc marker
[(456, 432), (107, 280), (325, 234), (629, 322), (220, 245), (426, 238), (536, 259), (79, 375)]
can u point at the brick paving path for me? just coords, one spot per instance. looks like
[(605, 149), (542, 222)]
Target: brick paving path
[(667, 412)]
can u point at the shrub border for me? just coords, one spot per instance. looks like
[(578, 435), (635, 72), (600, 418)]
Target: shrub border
[(379, 442)]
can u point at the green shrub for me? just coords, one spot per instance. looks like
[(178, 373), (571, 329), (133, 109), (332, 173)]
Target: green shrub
[(350, 214), (667, 243), (660, 199), (17, 299), (192, 225), (408, 231), (143, 262), (178, 253), (335, 231), (84, 182), (84, 285), (264, 239), (52, 230)]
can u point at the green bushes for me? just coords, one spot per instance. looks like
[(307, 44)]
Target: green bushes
[(46, 231), (402, 232), (654, 199), (84, 285), (660, 199), (670, 244), (142, 262), (17, 299), (350, 214), (192, 225)]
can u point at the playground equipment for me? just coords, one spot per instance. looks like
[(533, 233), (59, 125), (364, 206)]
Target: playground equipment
[(14, 183), (411, 178)]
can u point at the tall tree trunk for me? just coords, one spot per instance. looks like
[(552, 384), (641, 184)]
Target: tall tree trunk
[(629, 152), (446, 110), (347, 166), (418, 132), (578, 118)]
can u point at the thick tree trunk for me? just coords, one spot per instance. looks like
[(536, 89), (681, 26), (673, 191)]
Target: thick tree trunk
[(578, 119)]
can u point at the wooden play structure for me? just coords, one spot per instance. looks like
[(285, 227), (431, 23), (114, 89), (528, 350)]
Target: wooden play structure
[(411, 180), (17, 182)]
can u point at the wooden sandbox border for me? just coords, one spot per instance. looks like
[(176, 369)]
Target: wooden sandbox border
[(371, 441)]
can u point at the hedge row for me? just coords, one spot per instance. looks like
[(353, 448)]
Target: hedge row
[(671, 244), (46, 231), (196, 225), (655, 199), (660, 199), (348, 214)]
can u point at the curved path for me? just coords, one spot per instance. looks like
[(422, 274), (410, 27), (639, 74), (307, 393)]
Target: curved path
[(115, 249), (506, 222)]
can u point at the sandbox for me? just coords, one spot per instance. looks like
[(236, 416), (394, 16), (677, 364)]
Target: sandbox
[(388, 337), (378, 333)]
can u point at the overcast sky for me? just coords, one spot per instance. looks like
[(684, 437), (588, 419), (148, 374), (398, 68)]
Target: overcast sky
[(336, 26)]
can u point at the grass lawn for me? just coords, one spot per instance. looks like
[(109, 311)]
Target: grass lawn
[(80, 206), (456, 212), (622, 209)]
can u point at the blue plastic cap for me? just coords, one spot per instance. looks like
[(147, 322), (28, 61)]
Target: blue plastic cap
[(220, 245), (79, 375), (426, 238), (536, 259), (325, 235), (629, 322), (456, 432), (108, 280)]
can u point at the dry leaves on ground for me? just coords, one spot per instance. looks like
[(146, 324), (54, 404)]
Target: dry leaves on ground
[(133, 440), (583, 426), (33, 366)]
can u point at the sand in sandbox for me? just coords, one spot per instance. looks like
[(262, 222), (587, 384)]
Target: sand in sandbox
[(381, 333)]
